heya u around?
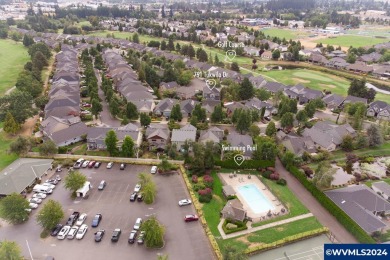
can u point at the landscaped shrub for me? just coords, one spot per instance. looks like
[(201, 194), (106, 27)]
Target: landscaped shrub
[(67, 163), (282, 182), (308, 171), (266, 174), (199, 186), (333, 209), (62, 150), (205, 195), (231, 197), (208, 181), (274, 176), (194, 178), (205, 191), (240, 226), (247, 164)]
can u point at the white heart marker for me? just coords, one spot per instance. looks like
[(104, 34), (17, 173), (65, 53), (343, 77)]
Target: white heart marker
[(211, 83), (231, 54), (239, 159)]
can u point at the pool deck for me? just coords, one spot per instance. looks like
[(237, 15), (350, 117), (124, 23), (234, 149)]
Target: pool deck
[(242, 179)]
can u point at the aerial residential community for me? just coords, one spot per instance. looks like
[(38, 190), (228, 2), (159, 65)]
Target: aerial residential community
[(193, 129)]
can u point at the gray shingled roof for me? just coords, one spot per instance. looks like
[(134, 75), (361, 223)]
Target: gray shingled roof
[(22, 173), (187, 132), (359, 202), (383, 187)]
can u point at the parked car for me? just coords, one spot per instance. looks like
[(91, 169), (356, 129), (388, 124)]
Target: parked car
[(40, 195), (192, 217), (51, 186), (99, 235), (33, 205), (73, 218), (123, 166), (78, 163), (97, 164), (85, 164), (54, 232), (116, 234), (153, 170), (109, 165), (141, 238), (185, 202), (137, 188), (133, 196), (59, 168), (81, 219), (72, 232), (140, 197), (96, 220), (28, 210), (52, 181), (91, 164), (58, 178), (35, 200), (132, 237), (63, 232), (82, 230), (87, 105), (102, 185), (138, 223)]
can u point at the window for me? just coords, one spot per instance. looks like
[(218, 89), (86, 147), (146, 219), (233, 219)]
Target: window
[(153, 140)]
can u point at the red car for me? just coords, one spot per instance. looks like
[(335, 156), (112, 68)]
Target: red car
[(189, 218), (91, 164)]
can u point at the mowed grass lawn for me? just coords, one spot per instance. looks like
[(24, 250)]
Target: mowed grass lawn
[(13, 56), (352, 40), (285, 33), (5, 157), (316, 80), (269, 235)]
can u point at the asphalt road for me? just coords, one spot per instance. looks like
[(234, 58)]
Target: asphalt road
[(183, 240)]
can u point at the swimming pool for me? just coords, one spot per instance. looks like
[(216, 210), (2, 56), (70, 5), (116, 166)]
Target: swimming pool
[(256, 200)]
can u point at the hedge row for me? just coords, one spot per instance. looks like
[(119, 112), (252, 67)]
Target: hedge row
[(247, 164), (198, 208), (286, 240), (333, 209), (240, 226)]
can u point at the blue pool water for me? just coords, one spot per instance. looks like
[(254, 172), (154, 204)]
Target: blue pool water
[(256, 200)]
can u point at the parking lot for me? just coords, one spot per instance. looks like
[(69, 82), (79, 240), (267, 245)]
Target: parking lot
[(182, 240)]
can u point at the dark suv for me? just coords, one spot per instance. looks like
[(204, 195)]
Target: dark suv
[(73, 218), (116, 234)]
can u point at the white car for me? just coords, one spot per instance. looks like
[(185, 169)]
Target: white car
[(72, 232), (185, 202), (33, 205), (63, 232), (40, 195), (138, 223), (109, 165), (35, 200), (153, 170), (82, 230), (137, 188), (51, 186), (81, 219), (85, 164)]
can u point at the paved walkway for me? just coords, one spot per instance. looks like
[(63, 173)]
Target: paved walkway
[(251, 230), (322, 214)]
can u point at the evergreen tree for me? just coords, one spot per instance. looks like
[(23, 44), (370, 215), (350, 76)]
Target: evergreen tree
[(199, 113), (191, 51), (234, 67), (10, 125), (244, 121), (128, 147), (111, 142), (374, 134), (246, 90), (131, 111), (163, 46), (171, 45), (176, 113), (135, 38)]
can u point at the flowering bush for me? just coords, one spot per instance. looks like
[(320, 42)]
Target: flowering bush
[(205, 191), (194, 179)]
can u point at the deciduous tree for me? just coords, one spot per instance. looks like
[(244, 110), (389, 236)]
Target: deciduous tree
[(131, 111), (111, 142), (271, 129), (10, 250), (47, 148), (13, 208), (10, 125), (154, 233), (145, 120), (128, 147), (74, 181), (374, 135), (50, 215)]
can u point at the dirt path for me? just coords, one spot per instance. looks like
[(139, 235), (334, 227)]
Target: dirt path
[(323, 216)]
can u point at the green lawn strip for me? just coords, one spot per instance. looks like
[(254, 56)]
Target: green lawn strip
[(284, 33), (13, 56), (383, 150), (284, 194), (273, 234), (354, 40), (212, 209), (6, 158)]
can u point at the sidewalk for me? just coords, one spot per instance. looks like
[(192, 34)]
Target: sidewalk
[(251, 230)]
